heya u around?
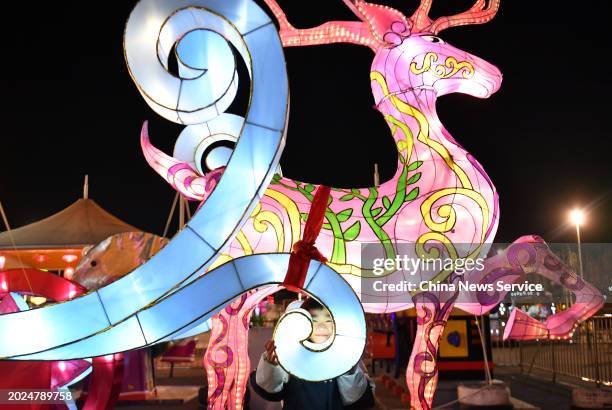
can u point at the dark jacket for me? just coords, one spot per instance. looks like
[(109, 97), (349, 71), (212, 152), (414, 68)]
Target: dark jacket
[(349, 391)]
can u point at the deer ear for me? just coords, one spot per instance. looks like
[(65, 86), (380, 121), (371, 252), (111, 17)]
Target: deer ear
[(386, 24)]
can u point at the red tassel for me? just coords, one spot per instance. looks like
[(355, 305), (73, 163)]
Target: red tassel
[(305, 250)]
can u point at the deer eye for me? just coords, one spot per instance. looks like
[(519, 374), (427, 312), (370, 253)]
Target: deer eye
[(433, 39)]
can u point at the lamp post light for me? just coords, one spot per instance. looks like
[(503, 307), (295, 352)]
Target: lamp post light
[(577, 217)]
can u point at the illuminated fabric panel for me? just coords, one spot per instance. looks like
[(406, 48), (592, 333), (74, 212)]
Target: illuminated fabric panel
[(191, 306), (199, 327)]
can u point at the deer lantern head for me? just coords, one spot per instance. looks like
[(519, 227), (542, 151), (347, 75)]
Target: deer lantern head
[(409, 54)]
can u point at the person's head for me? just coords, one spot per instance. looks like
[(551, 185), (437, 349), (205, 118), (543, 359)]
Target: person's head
[(322, 322)]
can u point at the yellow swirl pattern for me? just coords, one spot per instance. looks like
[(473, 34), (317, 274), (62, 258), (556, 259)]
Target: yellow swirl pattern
[(450, 68), (293, 213), (428, 60), (263, 220), (434, 252), (244, 243), (405, 144), (448, 213)]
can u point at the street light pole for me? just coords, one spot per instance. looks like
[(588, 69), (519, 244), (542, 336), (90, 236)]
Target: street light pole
[(577, 217), (579, 250)]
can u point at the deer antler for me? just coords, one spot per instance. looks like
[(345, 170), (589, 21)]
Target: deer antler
[(420, 19), (355, 32), (479, 13), (376, 20)]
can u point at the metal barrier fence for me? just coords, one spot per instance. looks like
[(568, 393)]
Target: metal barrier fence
[(586, 356)]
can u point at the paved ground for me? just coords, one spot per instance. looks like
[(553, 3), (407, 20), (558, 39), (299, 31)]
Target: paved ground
[(527, 392), (182, 377), (537, 391)]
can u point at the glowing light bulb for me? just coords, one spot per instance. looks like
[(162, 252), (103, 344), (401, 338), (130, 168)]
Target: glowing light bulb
[(40, 258), (577, 216), (69, 258)]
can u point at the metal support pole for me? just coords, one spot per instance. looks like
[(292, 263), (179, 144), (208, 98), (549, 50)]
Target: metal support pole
[(484, 349), (176, 198), (376, 175), (596, 353), (533, 358), (187, 209), (181, 213), (520, 343), (554, 361), (579, 250)]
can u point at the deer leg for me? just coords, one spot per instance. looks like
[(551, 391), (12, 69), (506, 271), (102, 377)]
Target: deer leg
[(562, 324), (422, 371), (530, 254), (227, 357), (218, 362)]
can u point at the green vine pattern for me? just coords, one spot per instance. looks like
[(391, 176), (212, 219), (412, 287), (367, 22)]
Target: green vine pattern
[(376, 218)]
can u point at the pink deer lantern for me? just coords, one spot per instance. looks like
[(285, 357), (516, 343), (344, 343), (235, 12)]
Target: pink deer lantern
[(439, 195)]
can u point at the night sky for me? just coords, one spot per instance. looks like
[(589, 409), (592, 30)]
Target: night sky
[(544, 138)]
